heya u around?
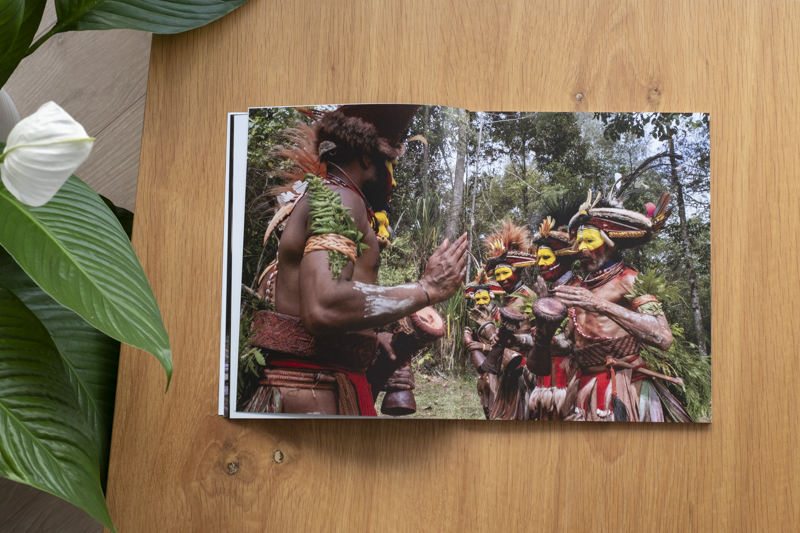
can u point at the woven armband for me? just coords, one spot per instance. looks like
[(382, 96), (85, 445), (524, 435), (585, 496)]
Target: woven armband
[(647, 305), (332, 226)]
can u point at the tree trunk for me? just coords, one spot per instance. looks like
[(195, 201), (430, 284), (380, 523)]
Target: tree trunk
[(457, 203), (687, 254), (523, 157), (474, 193), (425, 151)]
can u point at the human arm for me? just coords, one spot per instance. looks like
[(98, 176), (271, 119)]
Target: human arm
[(651, 330), (353, 303)]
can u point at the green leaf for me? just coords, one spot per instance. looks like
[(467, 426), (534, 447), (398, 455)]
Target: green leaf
[(44, 440), (157, 16), (90, 357), (75, 249), (11, 12), (16, 50)]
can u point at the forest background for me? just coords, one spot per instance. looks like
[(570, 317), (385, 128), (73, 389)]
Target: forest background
[(478, 168)]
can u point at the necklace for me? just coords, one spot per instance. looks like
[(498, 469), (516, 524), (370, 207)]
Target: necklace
[(572, 314), (601, 277), (350, 184)]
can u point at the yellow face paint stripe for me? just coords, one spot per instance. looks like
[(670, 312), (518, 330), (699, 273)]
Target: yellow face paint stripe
[(589, 239)]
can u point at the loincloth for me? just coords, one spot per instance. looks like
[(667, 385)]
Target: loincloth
[(296, 360), (602, 388), (553, 396), (352, 391)]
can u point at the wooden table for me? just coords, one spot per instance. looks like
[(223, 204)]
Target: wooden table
[(171, 452)]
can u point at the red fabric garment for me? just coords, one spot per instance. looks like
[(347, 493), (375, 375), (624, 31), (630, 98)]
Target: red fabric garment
[(561, 376), (561, 373), (603, 381), (358, 379)]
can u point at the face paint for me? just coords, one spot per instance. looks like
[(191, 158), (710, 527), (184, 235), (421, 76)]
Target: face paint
[(589, 239), (592, 250), (390, 165), (546, 257), (506, 277), (503, 273), (482, 298)]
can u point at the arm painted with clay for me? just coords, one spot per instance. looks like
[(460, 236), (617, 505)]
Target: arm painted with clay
[(651, 330), (329, 306)]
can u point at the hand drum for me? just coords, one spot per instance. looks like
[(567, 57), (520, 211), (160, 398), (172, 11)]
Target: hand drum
[(415, 332)]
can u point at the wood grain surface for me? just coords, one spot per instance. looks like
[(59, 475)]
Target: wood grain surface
[(738, 61)]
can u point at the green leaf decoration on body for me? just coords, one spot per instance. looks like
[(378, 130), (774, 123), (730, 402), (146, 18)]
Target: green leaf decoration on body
[(329, 215), (45, 441), (652, 283), (90, 357), (74, 248)]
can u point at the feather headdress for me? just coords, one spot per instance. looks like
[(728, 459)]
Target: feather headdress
[(623, 227), (510, 244), (482, 283), (553, 218), (365, 128)]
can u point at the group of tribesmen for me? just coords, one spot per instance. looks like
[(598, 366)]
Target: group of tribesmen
[(332, 339), (569, 348)]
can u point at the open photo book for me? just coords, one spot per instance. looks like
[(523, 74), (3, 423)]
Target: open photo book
[(413, 261)]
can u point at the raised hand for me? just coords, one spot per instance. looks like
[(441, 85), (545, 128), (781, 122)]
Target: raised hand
[(446, 269), (579, 297), (540, 288), (479, 316)]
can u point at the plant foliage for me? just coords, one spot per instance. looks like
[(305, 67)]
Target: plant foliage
[(328, 215)]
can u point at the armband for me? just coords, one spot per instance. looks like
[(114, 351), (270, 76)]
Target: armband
[(647, 305), (332, 227)]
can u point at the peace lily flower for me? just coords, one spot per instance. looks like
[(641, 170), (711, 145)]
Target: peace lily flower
[(41, 153)]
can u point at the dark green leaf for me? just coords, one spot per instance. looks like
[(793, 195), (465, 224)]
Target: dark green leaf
[(75, 249), (11, 12), (157, 16), (44, 440), (124, 216), (31, 17), (90, 357)]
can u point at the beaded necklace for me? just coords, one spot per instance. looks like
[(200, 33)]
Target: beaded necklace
[(601, 277), (572, 314)]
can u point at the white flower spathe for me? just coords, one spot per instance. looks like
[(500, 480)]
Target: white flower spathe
[(41, 153)]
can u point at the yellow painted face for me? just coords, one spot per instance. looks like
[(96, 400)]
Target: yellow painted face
[(390, 164), (482, 297), (546, 257), (589, 239), (503, 273)]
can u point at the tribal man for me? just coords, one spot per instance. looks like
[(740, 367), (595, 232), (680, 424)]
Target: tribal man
[(509, 252), (478, 343), (555, 256), (319, 357), (608, 330)]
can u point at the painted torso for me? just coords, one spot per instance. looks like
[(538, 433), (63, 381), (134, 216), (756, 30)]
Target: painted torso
[(597, 325)]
